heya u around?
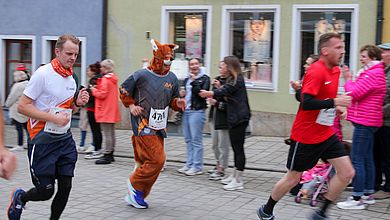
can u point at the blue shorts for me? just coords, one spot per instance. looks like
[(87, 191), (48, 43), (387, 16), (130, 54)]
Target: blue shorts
[(48, 161)]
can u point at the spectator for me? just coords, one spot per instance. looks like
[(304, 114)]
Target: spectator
[(382, 158), (194, 118), (368, 93), (238, 115), (94, 151), (19, 120), (107, 108), (219, 127)]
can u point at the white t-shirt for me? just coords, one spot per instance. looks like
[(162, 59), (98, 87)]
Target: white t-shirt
[(49, 90)]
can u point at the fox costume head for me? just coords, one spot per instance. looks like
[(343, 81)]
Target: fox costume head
[(163, 54)]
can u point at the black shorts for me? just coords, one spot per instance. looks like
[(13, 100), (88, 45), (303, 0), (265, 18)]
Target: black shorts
[(48, 161), (302, 157)]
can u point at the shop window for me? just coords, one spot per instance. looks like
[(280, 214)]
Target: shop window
[(18, 52), (252, 36), (188, 28), (312, 22)]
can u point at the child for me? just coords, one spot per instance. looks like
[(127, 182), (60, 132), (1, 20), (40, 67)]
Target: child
[(312, 177)]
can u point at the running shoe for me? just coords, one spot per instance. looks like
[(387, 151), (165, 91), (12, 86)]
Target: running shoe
[(263, 216), (184, 169), (94, 155), (227, 180), (234, 185), (369, 200), (193, 172), (135, 198), (350, 203), (16, 205), (315, 215), (216, 176)]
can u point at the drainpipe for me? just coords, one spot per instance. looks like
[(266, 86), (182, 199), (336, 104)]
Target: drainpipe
[(379, 22), (104, 29)]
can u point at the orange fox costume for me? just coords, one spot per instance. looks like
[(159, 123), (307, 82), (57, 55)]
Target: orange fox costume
[(154, 89)]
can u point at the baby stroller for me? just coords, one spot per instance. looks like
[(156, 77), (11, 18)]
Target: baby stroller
[(318, 184)]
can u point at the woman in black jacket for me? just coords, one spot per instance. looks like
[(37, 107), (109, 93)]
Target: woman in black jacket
[(238, 115)]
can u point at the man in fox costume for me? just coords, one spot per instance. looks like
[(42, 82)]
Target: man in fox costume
[(149, 93)]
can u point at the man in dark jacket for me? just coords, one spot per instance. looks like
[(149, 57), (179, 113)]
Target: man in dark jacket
[(382, 145)]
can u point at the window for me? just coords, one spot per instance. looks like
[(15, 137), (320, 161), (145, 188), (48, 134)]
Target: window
[(311, 21), (188, 27), (17, 52), (252, 34)]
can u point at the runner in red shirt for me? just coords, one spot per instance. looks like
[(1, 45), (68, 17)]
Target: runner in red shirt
[(312, 136)]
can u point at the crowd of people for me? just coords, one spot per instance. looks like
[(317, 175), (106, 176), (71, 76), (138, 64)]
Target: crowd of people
[(43, 104)]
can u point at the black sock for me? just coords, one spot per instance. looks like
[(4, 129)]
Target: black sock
[(356, 198), (324, 207), (367, 194), (269, 207)]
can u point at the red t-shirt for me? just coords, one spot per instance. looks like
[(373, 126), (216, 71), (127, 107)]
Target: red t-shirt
[(321, 83)]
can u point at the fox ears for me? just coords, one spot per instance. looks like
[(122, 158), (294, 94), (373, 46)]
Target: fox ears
[(156, 45)]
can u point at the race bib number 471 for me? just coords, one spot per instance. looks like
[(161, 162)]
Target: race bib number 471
[(158, 118)]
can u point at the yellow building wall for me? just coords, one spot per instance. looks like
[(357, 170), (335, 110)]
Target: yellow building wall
[(129, 20), (386, 22)]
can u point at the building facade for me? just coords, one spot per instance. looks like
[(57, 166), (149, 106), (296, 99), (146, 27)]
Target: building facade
[(29, 30), (386, 22), (271, 38)]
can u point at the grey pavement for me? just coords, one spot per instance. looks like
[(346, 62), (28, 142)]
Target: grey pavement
[(98, 191)]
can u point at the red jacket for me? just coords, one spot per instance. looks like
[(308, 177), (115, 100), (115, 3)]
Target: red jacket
[(107, 99)]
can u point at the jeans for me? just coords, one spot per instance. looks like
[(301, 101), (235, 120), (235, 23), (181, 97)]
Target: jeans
[(193, 123), (19, 128), (382, 157), (362, 156)]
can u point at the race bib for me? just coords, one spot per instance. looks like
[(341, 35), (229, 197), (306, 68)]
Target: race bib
[(326, 117), (158, 118), (50, 127)]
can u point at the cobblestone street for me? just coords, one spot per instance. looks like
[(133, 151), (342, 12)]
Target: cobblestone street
[(98, 191)]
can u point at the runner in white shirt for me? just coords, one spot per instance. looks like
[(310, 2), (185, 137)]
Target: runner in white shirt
[(48, 101)]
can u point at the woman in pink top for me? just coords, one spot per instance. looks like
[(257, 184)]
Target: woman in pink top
[(107, 108), (367, 92)]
